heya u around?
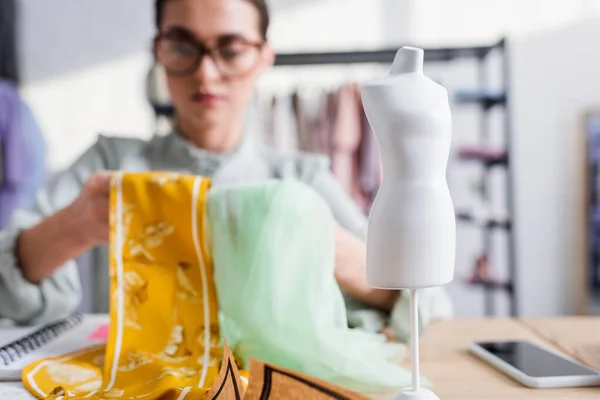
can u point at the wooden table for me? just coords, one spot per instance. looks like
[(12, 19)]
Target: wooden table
[(456, 374)]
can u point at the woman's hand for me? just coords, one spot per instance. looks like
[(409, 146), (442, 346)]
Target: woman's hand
[(68, 233), (351, 272), (91, 208)]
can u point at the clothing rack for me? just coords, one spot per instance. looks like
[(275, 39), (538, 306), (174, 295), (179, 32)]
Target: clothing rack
[(490, 158), (378, 56), (481, 153)]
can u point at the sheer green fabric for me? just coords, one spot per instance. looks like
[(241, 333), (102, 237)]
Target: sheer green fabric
[(273, 248)]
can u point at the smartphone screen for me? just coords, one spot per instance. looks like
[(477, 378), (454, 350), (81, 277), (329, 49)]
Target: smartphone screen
[(535, 361)]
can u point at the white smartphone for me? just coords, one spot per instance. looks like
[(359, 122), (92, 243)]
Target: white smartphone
[(535, 366)]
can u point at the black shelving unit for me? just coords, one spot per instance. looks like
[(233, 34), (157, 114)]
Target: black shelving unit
[(490, 157)]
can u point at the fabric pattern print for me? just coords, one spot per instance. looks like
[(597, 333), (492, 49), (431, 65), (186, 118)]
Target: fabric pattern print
[(128, 214), (176, 346), (165, 178), (91, 386), (98, 361), (113, 394), (134, 360), (185, 288), (181, 373), (150, 238), (69, 374), (136, 293), (215, 350)]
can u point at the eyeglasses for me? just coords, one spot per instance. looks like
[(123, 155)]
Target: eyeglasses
[(180, 54)]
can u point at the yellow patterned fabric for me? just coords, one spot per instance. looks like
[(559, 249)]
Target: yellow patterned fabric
[(164, 340)]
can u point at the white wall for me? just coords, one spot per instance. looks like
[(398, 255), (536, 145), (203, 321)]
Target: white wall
[(556, 80), (73, 109), (307, 25), (453, 22), (84, 65)]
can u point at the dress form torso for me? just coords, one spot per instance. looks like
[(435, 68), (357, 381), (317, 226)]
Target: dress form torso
[(411, 233)]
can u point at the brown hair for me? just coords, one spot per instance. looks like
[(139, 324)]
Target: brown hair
[(261, 7)]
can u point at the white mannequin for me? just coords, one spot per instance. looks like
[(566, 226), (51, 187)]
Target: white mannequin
[(412, 230)]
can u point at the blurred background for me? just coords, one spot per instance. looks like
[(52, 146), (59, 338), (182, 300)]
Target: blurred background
[(523, 78)]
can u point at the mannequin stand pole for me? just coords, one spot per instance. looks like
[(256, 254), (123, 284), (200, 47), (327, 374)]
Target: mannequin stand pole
[(414, 338), (415, 392)]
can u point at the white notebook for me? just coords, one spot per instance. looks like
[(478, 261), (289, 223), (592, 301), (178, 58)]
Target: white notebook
[(20, 347), (13, 391)]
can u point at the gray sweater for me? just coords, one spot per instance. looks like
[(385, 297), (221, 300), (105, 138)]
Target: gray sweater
[(60, 295)]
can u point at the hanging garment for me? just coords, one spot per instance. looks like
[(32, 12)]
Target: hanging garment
[(305, 129), (274, 251), (283, 134), (308, 107), (268, 137), (164, 335), (345, 141), (15, 156), (323, 124)]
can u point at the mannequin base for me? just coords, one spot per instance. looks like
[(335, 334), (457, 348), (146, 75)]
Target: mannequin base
[(421, 394)]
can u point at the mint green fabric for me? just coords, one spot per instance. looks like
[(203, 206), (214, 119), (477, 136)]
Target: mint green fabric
[(273, 248)]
